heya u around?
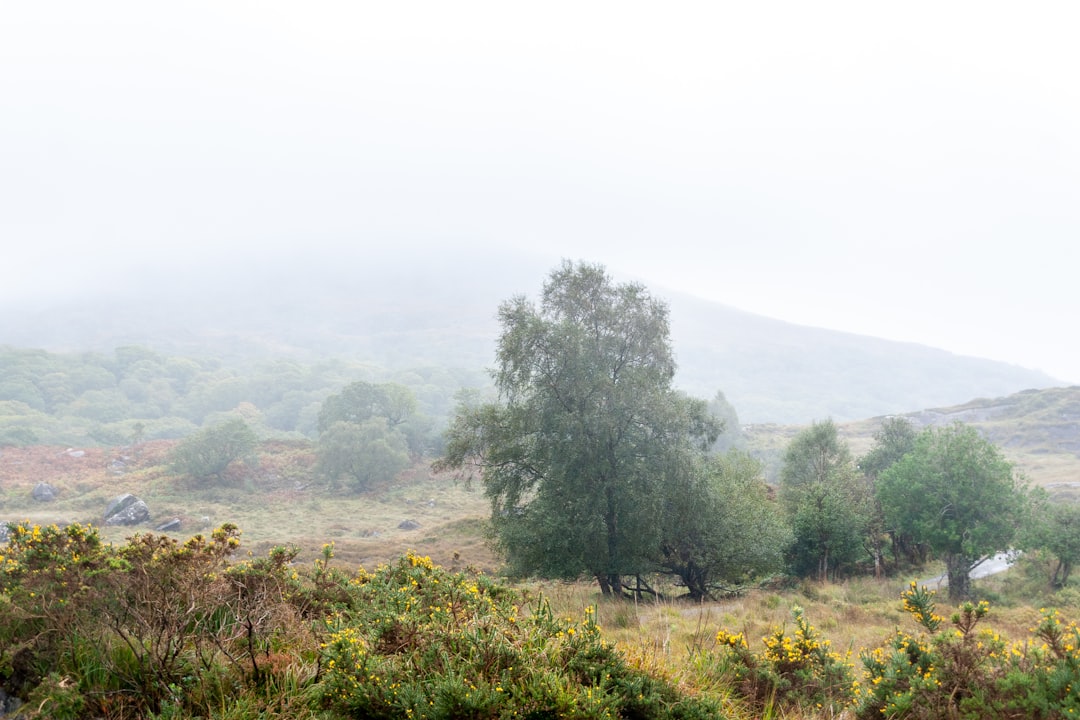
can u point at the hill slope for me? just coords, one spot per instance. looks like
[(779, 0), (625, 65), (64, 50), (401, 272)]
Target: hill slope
[(440, 310)]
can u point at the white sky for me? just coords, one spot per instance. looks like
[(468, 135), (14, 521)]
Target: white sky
[(903, 170)]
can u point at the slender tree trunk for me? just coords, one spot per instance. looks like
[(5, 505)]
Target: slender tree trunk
[(958, 568), (611, 522)]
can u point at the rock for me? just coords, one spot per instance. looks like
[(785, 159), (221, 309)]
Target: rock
[(170, 526), (71, 452), (43, 492), (3, 532), (408, 525), (8, 703), (126, 510)]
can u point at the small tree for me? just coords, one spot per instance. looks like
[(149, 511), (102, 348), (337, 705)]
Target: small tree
[(824, 500), (362, 453), (208, 452), (894, 440), (1054, 526), (956, 493)]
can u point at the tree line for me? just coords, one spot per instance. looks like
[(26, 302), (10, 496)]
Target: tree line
[(137, 394), (596, 465)]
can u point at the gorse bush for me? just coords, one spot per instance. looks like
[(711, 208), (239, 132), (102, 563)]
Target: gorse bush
[(155, 628), (139, 627), (430, 644), (948, 670), (964, 671), (796, 669)]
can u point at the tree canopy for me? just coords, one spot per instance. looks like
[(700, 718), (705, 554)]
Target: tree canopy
[(721, 527), (955, 492), (825, 501), (587, 431)]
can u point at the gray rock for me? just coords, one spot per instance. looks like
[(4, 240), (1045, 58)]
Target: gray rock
[(8, 704), (43, 492), (3, 531), (126, 510), (408, 525), (170, 526)]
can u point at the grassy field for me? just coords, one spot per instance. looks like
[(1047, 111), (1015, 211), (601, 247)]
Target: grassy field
[(277, 501)]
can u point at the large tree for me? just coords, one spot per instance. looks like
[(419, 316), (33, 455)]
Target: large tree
[(824, 498), (587, 431), (955, 492)]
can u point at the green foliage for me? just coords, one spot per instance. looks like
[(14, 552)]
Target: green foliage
[(963, 671), (78, 398), (721, 529), (796, 669), (155, 628), (360, 401), (424, 643), (731, 435), (956, 493), (207, 453), (1054, 526), (825, 501), (588, 432), (895, 439), (362, 453)]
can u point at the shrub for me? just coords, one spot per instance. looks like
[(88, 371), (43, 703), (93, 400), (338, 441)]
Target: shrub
[(426, 643), (961, 671), (791, 670), (156, 628), (208, 452)]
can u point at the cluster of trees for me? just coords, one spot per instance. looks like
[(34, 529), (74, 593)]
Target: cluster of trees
[(368, 433), (136, 394), (942, 491), (594, 464)]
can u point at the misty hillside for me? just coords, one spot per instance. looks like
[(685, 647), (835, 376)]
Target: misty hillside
[(440, 310)]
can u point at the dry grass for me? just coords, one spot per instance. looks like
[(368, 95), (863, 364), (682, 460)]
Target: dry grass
[(855, 615), (274, 503)]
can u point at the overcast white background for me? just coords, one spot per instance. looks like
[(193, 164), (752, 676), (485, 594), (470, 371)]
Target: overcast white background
[(903, 170)]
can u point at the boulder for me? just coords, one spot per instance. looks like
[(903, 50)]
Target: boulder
[(43, 492), (126, 510), (408, 525), (170, 526)]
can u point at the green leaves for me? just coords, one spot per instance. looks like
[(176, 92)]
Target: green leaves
[(826, 503), (955, 492), (587, 435), (207, 453)]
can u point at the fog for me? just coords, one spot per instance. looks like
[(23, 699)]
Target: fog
[(906, 172)]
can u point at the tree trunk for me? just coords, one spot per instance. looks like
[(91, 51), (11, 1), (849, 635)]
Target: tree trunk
[(611, 523), (823, 565), (605, 587), (958, 568)]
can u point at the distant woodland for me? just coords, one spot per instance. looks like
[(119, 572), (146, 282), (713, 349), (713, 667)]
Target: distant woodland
[(135, 394)]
